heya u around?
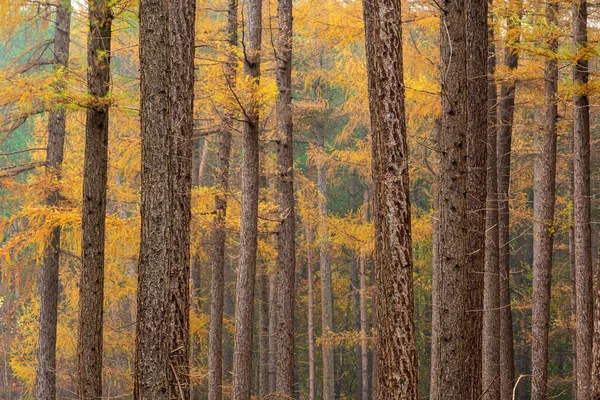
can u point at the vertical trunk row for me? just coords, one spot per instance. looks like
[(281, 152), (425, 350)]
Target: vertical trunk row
[(95, 169), (45, 387), (543, 216), (326, 284), (244, 305), (396, 350), (477, 122), (581, 201), (181, 95), (217, 288), (491, 296), (452, 370), (504, 144), (286, 271)]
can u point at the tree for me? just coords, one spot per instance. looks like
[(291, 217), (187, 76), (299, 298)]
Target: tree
[(396, 347), (581, 200), (286, 270), (311, 305), (244, 305), (543, 216), (217, 286), (491, 296), (95, 171), (477, 122), (48, 280)]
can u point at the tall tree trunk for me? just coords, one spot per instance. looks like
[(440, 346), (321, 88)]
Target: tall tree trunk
[(45, 387), (311, 307), (244, 305), (582, 206), (477, 122), (326, 284), (286, 271), (218, 262), (95, 170), (396, 348), (595, 391), (543, 217), (452, 370), (364, 355), (504, 144), (263, 341), (355, 288), (491, 307), (272, 334), (572, 274)]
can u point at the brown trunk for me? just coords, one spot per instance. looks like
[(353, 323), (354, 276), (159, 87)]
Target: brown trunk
[(272, 333), (477, 121), (572, 276), (326, 289), (355, 288), (435, 281), (364, 355), (396, 348), (595, 392), (581, 201), (504, 143), (218, 262), (452, 370), (244, 305), (543, 217), (311, 306), (45, 387), (286, 271), (95, 169), (491, 296), (263, 341)]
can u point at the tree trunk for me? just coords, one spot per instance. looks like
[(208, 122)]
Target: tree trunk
[(326, 284), (218, 262), (543, 217), (45, 387), (311, 307), (435, 272), (355, 289), (95, 169), (452, 370), (504, 144), (477, 122), (595, 392), (572, 275), (582, 206), (263, 341), (364, 355), (244, 305), (286, 270), (491, 307), (272, 333), (396, 348)]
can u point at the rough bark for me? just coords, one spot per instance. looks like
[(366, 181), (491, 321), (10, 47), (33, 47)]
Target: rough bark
[(263, 341), (395, 342), (355, 288), (364, 355), (435, 272), (452, 370), (45, 387), (504, 144), (217, 288), (543, 217), (491, 296), (286, 243), (572, 276), (244, 305), (595, 392), (272, 333), (477, 54), (95, 170), (326, 284), (311, 307), (582, 206)]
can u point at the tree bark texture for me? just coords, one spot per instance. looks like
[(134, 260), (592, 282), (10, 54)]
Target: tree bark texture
[(218, 262), (364, 351), (244, 305), (286, 240), (582, 206), (311, 307), (504, 143), (396, 348), (477, 122), (543, 217), (435, 272), (491, 296), (45, 386), (95, 170)]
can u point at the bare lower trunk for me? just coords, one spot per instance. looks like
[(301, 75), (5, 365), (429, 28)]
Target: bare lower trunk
[(95, 170), (45, 386), (435, 282), (543, 218), (491, 307), (263, 340), (272, 333), (244, 305), (364, 355), (582, 206), (572, 278), (311, 306)]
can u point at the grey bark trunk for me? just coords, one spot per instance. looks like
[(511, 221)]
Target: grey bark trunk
[(244, 305), (45, 386), (311, 307), (95, 170), (364, 355), (543, 217)]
